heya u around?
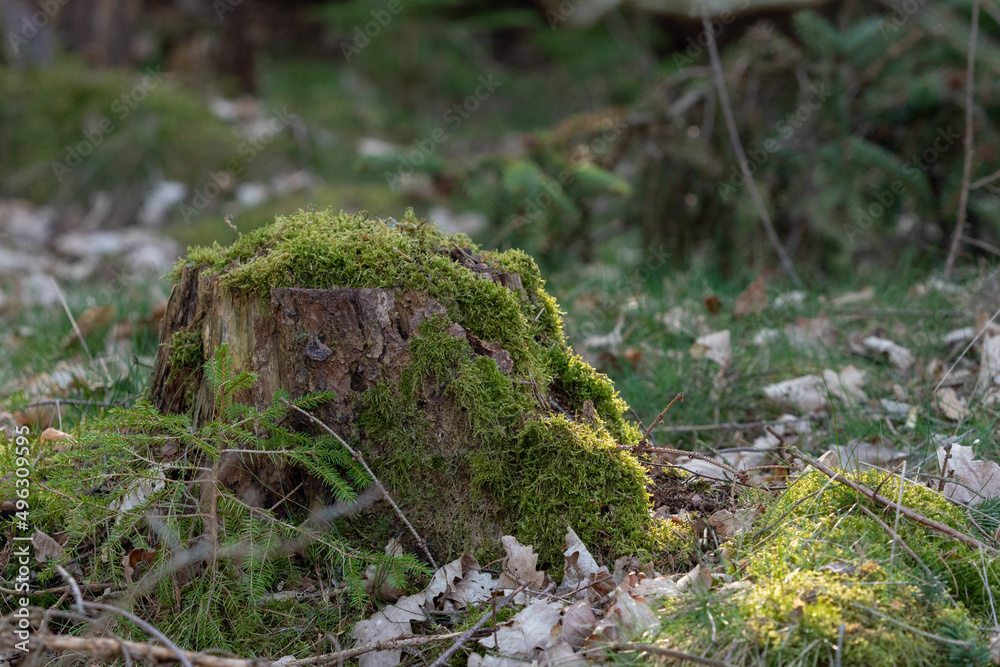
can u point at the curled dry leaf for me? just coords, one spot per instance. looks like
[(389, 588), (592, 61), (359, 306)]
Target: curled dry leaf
[(388, 588), (811, 333), (582, 573), (989, 365), (519, 567), (391, 622), (951, 405), (810, 393), (46, 548), (527, 631), (900, 357), (753, 300), (983, 476), (714, 346), (577, 623), (727, 524), (54, 435), (863, 455)]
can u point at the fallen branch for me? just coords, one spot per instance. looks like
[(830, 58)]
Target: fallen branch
[(384, 645), (668, 652), (937, 526), (103, 648), (378, 484), (467, 635)]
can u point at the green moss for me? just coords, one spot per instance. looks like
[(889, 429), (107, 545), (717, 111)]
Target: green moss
[(799, 603), (508, 465), (186, 351)]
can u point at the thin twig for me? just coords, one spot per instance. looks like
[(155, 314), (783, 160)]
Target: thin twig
[(72, 320), (910, 628), (988, 247), (105, 646), (970, 85), (668, 652), (467, 635), (985, 180), (384, 645), (385, 494), (734, 137), (967, 348), (896, 538), (659, 417)]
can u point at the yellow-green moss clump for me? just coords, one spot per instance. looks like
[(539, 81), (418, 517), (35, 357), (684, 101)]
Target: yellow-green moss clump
[(523, 466), (186, 351), (826, 564)]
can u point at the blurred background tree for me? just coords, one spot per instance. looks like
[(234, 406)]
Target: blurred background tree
[(581, 130)]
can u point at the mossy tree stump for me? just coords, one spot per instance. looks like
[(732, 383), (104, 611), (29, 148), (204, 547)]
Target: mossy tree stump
[(451, 373)]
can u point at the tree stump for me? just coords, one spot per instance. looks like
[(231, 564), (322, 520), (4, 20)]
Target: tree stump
[(451, 374)]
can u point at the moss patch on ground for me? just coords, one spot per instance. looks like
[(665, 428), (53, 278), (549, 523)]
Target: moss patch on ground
[(526, 463), (825, 565)]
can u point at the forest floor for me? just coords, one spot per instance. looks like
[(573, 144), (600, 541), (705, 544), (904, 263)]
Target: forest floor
[(895, 385)]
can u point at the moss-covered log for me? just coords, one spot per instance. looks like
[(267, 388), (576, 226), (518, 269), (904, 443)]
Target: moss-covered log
[(450, 370)]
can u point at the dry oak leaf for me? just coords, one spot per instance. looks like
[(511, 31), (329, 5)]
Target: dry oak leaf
[(983, 476), (753, 300), (519, 567), (951, 405), (714, 346), (391, 622), (527, 631), (53, 434), (900, 357)]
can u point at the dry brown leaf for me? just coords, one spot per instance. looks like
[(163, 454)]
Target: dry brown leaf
[(714, 346), (810, 392), (582, 573), (713, 305), (900, 357), (811, 333), (559, 654), (53, 435), (391, 622), (577, 623), (46, 548), (753, 300), (527, 631), (989, 365), (951, 405), (657, 587), (866, 294), (519, 567), (476, 660), (983, 476), (862, 455), (90, 319), (727, 524), (382, 577)]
